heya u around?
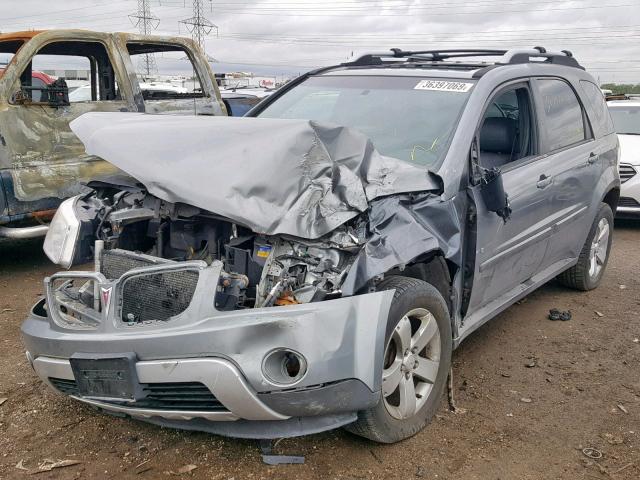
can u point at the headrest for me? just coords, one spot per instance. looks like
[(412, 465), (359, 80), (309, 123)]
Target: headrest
[(498, 135)]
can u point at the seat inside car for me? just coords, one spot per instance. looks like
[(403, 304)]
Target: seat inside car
[(498, 141)]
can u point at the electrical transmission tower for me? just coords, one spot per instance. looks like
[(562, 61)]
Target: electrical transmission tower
[(198, 25), (145, 21)]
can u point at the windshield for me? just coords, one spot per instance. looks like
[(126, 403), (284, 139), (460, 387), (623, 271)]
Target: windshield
[(409, 118), (626, 119)]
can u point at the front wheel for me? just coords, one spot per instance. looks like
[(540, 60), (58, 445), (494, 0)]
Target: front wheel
[(587, 273), (416, 363)]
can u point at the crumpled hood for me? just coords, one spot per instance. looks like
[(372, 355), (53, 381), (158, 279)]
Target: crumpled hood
[(275, 176)]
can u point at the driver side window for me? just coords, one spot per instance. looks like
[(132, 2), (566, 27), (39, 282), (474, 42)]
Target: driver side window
[(506, 134), (85, 66)]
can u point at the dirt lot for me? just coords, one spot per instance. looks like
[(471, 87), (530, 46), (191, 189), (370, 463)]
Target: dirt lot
[(536, 393)]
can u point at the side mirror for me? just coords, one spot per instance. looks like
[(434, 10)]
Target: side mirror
[(493, 194), (58, 93)]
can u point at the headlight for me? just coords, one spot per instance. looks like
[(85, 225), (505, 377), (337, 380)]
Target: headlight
[(64, 229)]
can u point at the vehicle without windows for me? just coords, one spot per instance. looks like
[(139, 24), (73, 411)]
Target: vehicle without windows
[(41, 161), (314, 265), (626, 118)]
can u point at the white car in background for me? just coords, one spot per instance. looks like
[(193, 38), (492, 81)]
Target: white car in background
[(626, 118), (83, 92)]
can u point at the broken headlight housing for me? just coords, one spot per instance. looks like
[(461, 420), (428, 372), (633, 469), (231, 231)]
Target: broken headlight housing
[(62, 237)]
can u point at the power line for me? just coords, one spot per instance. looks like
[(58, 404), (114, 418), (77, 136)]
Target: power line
[(198, 24), (146, 21)]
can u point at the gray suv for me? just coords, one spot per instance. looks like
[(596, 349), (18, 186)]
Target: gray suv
[(315, 266)]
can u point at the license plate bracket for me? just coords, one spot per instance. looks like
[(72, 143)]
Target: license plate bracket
[(107, 376)]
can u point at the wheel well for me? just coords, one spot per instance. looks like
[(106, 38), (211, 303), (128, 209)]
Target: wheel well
[(434, 269), (611, 198)]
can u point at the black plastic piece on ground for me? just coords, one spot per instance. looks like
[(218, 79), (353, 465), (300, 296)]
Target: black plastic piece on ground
[(555, 314), (266, 446)]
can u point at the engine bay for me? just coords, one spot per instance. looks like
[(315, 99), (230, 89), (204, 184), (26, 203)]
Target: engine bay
[(258, 270)]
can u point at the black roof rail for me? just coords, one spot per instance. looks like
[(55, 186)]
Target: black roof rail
[(507, 57)]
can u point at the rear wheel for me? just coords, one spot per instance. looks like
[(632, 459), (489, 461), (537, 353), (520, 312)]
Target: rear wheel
[(587, 273), (417, 359)]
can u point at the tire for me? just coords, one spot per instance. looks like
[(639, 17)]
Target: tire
[(388, 421), (583, 276)]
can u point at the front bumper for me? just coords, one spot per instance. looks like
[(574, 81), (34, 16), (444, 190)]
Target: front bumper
[(629, 205), (342, 341)]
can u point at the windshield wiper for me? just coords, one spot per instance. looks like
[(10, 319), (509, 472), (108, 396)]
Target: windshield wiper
[(628, 133)]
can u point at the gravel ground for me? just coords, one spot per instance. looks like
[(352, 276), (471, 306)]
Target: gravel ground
[(536, 393)]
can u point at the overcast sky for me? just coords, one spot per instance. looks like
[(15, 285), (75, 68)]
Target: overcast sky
[(290, 36)]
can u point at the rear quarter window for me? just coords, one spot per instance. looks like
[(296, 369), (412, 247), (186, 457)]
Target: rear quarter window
[(561, 117), (597, 109)]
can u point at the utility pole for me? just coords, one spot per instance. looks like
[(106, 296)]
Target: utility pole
[(145, 21), (198, 25)]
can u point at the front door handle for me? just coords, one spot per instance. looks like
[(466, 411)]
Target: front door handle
[(544, 181), (593, 158)]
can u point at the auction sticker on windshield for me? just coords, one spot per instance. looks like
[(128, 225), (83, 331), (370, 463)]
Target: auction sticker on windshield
[(443, 86)]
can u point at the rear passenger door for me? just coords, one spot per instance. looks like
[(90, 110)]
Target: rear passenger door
[(567, 140)]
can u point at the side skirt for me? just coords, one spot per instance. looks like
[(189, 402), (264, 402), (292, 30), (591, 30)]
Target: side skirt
[(481, 316)]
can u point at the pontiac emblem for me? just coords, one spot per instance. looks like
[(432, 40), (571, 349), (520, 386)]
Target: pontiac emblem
[(105, 297)]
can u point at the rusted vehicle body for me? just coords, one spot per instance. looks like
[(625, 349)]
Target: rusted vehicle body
[(42, 162)]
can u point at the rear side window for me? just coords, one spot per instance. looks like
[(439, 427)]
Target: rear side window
[(562, 118), (598, 111)]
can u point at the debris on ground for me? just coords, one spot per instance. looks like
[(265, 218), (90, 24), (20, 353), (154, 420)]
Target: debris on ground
[(622, 408), (142, 467), (46, 465), (182, 470), (453, 408), (613, 439), (555, 314), (2, 400), (526, 400), (624, 467), (269, 458), (592, 452), (600, 314)]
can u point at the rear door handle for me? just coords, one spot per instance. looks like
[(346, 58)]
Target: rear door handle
[(593, 158), (544, 181)]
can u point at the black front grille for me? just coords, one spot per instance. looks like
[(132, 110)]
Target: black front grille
[(157, 296), (115, 263), (179, 396), (628, 202), (188, 396), (626, 172), (149, 297), (68, 387)]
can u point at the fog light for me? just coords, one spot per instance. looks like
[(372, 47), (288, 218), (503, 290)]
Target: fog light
[(284, 367)]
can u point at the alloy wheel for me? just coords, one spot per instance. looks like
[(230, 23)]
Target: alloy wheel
[(599, 247), (411, 363)]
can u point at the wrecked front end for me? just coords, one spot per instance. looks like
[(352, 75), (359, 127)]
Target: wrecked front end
[(196, 320)]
